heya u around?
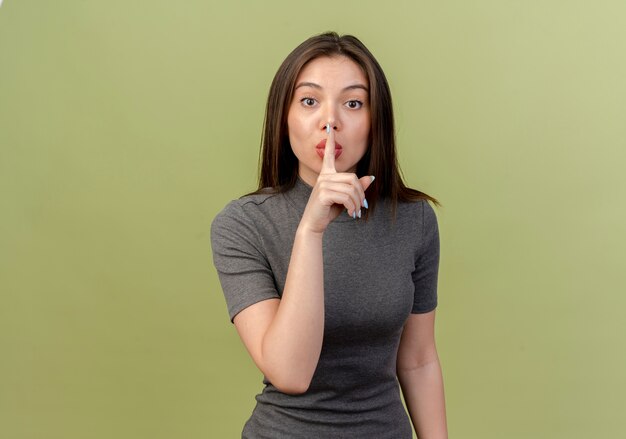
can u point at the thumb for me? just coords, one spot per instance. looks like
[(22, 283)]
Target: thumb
[(366, 181)]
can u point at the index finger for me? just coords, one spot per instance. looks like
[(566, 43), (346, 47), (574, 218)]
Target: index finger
[(328, 164)]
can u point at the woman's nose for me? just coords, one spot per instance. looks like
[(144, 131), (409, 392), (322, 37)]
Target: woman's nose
[(332, 124), (331, 119), (330, 114)]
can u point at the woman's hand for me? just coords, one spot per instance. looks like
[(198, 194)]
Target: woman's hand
[(333, 192)]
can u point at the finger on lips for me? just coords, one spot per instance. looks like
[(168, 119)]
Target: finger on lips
[(329, 151), (356, 197)]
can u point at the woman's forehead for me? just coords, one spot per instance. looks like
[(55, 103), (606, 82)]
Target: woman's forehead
[(338, 68)]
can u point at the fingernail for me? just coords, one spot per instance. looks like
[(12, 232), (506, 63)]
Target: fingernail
[(364, 203), (373, 178), (359, 214), (327, 128), (354, 215)]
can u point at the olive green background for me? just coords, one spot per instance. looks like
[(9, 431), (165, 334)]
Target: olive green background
[(125, 126)]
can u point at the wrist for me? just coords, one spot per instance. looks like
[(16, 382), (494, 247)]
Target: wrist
[(306, 231)]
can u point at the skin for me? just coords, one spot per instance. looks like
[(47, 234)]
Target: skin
[(420, 377), (284, 336)]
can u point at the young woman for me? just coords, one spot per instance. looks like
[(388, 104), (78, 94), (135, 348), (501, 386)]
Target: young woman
[(330, 269)]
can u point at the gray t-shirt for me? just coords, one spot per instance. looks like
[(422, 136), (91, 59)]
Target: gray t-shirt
[(376, 273)]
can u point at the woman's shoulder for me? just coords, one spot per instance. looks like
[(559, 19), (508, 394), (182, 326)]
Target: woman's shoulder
[(236, 207), (420, 207), (257, 198), (247, 209), (417, 214)]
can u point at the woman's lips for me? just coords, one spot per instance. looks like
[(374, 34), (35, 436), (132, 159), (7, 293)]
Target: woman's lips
[(320, 147)]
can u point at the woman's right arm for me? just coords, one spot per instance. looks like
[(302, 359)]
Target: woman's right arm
[(284, 336)]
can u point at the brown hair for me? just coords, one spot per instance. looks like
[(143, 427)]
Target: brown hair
[(278, 163)]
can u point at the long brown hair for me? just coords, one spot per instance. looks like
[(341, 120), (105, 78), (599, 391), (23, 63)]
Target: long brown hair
[(278, 163)]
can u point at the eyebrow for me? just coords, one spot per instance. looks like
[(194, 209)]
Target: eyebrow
[(319, 87)]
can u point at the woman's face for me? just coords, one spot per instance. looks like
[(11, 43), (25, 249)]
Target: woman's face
[(329, 90)]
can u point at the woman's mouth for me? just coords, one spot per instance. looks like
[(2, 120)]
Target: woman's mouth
[(320, 147)]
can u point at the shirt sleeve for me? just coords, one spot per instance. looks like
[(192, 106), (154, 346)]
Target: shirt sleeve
[(426, 263), (243, 270)]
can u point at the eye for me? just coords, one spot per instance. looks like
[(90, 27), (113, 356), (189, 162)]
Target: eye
[(308, 102), (354, 104)]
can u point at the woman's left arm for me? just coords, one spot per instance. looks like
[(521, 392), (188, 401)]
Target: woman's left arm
[(420, 377)]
